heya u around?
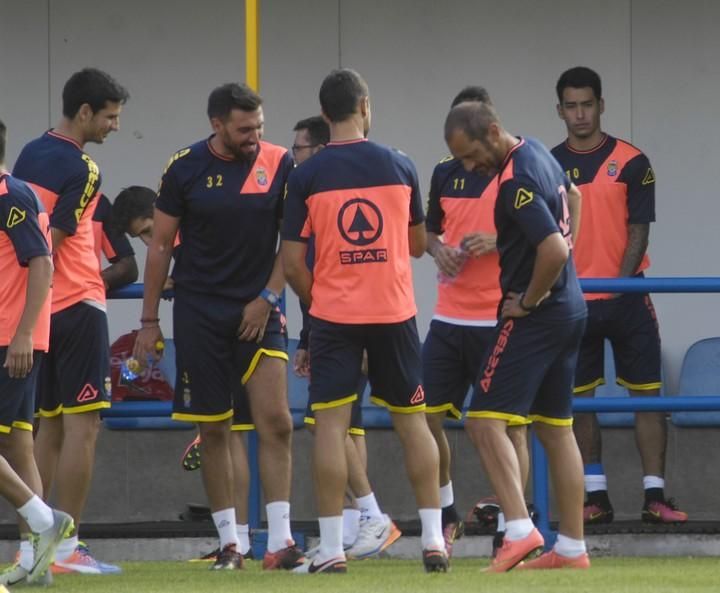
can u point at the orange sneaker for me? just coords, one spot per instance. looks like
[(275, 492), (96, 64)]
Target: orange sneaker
[(513, 553), (552, 559)]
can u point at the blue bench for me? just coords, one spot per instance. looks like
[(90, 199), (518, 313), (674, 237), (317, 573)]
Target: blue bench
[(700, 375)]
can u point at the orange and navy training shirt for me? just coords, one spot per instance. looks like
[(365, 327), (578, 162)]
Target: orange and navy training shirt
[(67, 182), (532, 205), (24, 234), (358, 199), (618, 189), (230, 212), (459, 203), (109, 240)]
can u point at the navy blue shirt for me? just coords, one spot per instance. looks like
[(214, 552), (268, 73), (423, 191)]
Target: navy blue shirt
[(230, 212), (531, 205)]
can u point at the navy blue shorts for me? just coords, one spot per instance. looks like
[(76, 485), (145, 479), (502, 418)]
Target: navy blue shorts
[(17, 403), (211, 363), (528, 372), (75, 373), (452, 355), (356, 424), (630, 323), (394, 364)]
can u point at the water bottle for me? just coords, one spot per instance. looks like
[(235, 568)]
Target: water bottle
[(132, 368), (443, 278)]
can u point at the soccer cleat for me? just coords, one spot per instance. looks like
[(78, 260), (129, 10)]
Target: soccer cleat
[(46, 542), (435, 561), (17, 575), (485, 512), (228, 559), (514, 552), (212, 556), (334, 565), (83, 562), (191, 457), (374, 536), (662, 511), (286, 559), (597, 513), (451, 532), (552, 559)]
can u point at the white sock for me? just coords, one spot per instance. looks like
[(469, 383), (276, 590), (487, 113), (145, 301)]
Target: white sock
[(431, 537), (447, 497), (351, 526), (26, 552), (278, 518), (37, 514), (66, 548), (368, 506), (518, 529), (225, 524), (501, 521), (653, 482), (568, 547), (594, 482), (331, 536), (243, 536)]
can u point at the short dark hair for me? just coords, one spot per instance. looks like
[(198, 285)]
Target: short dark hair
[(471, 93), (94, 87), (3, 139), (317, 129), (231, 96), (133, 202), (578, 78), (341, 93), (473, 118)]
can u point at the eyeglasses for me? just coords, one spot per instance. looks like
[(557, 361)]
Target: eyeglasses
[(297, 147)]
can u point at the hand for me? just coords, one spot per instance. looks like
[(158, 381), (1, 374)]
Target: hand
[(146, 343), (511, 305), (477, 244), (254, 321), (19, 358), (448, 260), (301, 363)]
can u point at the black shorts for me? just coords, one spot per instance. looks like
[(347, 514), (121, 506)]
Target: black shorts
[(211, 363), (528, 372), (394, 365), (17, 400), (75, 373), (356, 424), (452, 355), (630, 324)]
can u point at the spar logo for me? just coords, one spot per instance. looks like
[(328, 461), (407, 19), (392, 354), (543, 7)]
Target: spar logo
[(360, 223)]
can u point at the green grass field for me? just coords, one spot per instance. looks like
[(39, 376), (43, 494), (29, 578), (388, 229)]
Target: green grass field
[(608, 575)]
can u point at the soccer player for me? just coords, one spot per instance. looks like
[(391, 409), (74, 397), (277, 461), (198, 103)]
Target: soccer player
[(113, 244), (132, 214), (461, 239), (225, 196), (360, 202), (74, 379), (366, 529), (618, 185), (25, 278), (528, 372)]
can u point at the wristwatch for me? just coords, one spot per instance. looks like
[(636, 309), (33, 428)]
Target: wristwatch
[(270, 297)]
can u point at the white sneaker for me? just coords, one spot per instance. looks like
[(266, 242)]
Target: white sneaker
[(46, 543), (374, 536), (17, 575)]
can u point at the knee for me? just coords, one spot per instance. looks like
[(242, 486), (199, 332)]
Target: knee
[(276, 425)]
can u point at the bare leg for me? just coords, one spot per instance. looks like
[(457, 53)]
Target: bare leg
[(518, 436), (501, 463), (17, 448), (329, 464), (47, 448), (241, 476), (566, 471), (587, 433), (216, 464), (267, 389), (435, 423), (651, 437)]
